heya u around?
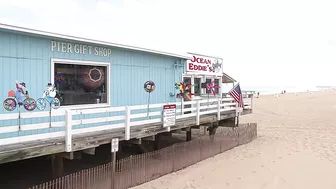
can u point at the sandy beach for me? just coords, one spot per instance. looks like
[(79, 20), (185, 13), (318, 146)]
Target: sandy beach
[(295, 148)]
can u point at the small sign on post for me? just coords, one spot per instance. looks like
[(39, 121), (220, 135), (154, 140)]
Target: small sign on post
[(115, 145), (114, 150), (169, 115)]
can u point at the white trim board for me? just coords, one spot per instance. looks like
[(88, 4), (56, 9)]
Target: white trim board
[(27, 138), (91, 63), (81, 39)]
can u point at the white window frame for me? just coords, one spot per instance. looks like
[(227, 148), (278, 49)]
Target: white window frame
[(203, 79), (91, 63)]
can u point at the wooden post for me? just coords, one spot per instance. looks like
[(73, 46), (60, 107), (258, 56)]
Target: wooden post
[(188, 134), (127, 123), (57, 166), (218, 109), (157, 142), (251, 102), (198, 109), (237, 115), (68, 131)]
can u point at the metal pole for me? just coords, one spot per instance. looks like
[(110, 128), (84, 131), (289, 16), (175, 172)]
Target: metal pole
[(113, 169), (50, 115), (148, 105)]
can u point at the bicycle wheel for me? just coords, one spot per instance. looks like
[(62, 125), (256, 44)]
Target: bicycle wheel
[(9, 104), (29, 104), (41, 104), (56, 103)]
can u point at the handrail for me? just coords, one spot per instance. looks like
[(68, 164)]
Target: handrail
[(110, 118)]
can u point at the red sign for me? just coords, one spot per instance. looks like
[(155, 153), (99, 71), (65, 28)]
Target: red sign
[(170, 106)]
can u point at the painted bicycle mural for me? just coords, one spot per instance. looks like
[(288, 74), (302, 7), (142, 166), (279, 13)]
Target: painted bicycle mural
[(19, 97), (49, 96)]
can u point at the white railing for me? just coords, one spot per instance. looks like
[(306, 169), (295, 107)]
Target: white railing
[(127, 116)]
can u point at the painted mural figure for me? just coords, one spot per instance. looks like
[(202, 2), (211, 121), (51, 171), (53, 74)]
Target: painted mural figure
[(21, 94), (19, 97), (49, 95)]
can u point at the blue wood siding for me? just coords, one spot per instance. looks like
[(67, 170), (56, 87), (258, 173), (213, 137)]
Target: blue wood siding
[(28, 58)]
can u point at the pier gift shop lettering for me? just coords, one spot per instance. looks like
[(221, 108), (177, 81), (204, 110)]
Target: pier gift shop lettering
[(79, 49)]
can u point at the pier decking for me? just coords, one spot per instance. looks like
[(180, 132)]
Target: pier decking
[(73, 130)]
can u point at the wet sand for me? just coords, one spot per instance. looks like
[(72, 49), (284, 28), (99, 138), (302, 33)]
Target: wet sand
[(295, 148)]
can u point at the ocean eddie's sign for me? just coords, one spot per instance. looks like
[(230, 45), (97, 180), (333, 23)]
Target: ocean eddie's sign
[(205, 65), (66, 47)]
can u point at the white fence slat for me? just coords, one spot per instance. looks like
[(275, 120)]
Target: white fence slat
[(208, 107), (98, 110), (140, 115), (185, 115), (208, 112), (98, 128), (143, 122)]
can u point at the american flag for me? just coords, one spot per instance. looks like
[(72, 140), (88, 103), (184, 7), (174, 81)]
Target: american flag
[(237, 95)]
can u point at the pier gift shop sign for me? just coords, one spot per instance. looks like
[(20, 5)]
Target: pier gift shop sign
[(205, 65), (66, 47)]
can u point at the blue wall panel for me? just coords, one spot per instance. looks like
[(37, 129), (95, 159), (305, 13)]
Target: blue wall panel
[(28, 58)]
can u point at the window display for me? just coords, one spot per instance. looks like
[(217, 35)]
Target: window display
[(81, 84)]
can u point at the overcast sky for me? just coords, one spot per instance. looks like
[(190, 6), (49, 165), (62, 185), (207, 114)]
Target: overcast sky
[(262, 42)]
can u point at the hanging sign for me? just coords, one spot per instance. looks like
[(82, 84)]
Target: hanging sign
[(149, 86), (205, 65), (169, 115)]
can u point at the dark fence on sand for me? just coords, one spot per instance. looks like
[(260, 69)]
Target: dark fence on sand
[(138, 169)]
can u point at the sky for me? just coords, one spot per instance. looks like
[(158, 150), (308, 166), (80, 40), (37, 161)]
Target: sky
[(262, 42)]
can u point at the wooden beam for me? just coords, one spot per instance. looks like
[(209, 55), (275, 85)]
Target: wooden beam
[(149, 138), (90, 151), (71, 155), (227, 123), (135, 141)]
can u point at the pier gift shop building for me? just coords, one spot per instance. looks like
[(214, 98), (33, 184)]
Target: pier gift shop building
[(102, 93), (117, 79)]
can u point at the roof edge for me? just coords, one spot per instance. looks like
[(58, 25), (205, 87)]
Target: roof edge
[(82, 39)]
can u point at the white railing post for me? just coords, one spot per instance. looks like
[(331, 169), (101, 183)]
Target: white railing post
[(198, 108), (218, 109), (182, 106), (237, 114), (127, 123), (251, 102), (68, 130)]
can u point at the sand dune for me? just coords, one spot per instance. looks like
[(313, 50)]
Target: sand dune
[(296, 148)]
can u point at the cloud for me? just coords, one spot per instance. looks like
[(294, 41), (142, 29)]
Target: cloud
[(262, 42)]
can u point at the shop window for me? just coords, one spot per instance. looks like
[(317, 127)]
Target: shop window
[(217, 84), (81, 84), (197, 86), (208, 81)]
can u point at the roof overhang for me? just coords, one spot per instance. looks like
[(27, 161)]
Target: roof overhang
[(227, 79), (56, 35)]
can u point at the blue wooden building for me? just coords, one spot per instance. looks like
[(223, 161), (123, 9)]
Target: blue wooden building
[(100, 87), (38, 58)]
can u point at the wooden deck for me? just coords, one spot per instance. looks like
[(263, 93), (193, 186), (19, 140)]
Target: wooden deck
[(36, 148)]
